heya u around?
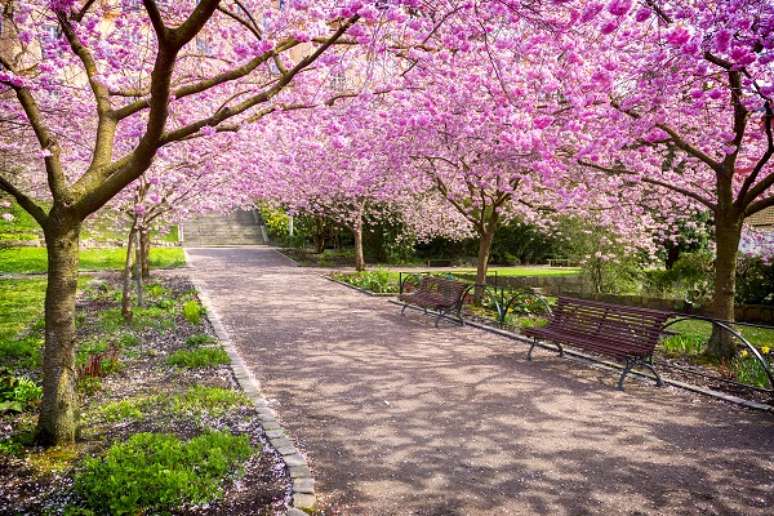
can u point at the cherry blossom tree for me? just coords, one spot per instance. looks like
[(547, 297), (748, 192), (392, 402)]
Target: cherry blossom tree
[(679, 98), (92, 91)]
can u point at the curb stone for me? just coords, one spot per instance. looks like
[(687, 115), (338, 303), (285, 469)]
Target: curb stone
[(302, 482)]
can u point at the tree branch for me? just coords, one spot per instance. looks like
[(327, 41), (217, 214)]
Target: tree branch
[(25, 202), (56, 178), (199, 87), (162, 33), (683, 191), (757, 206), (106, 124), (746, 196)]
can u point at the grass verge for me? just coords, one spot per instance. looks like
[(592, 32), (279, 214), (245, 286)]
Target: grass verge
[(28, 260)]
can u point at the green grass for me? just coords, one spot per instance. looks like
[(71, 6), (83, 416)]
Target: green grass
[(25, 260), (513, 272), (199, 357), (21, 307), (22, 227), (758, 337), (214, 401)]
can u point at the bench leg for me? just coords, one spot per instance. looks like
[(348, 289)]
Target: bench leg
[(531, 347), (559, 348), (631, 364), (403, 311), (438, 319)]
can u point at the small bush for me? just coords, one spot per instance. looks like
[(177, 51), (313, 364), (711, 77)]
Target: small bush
[(128, 340), (201, 339), (18, 393), (153, 317), (193, 311), (122, 410), (89, 385), (379, 281), (750, 371), (684, 344), (158, 472), (200, 357), (212, 400), (156, 290)]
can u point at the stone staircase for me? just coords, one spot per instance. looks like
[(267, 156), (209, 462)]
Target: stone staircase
[(236, 228)]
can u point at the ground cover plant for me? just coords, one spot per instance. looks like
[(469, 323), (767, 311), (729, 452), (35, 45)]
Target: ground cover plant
[(158, 434)]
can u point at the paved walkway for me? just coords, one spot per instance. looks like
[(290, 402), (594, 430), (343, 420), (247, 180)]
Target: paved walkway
[(397, 417)]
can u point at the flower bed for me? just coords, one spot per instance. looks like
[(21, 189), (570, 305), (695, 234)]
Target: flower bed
[(164, 425)]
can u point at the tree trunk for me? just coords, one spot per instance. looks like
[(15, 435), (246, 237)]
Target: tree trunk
[(145, 245), (58, 420), (126, 305), (357, 230), (728, 232), (484, 250)]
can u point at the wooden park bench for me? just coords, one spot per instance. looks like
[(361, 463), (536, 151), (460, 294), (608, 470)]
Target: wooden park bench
[(445, 296), (627, 334)]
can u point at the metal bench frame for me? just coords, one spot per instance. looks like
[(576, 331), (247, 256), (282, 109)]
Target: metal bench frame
[(628, 334), (445, 296)]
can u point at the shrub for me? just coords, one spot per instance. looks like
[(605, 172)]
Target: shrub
[(89, 385), (754, 282), (201, 357), (158, 472), (201, 339), (18, 393), (684, 344), (121, 410), (749, 371), (193, 311), (379, 280), (128, 340), (155, 317)]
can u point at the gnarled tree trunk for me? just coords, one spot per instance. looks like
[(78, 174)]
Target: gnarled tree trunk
[(58, 420)]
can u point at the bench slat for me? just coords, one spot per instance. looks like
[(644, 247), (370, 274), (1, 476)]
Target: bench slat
[(613, 330)]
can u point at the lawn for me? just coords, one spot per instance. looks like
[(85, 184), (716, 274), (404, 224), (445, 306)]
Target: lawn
[(525, 271), (21, 320), (22, 227), (701, 330), (25, 260)]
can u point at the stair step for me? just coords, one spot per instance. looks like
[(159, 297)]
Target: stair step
[(236, 228)]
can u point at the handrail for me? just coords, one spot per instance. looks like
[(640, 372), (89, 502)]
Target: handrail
[(725, 325)]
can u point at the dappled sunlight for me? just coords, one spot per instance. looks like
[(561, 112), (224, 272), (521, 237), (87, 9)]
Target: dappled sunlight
[(396, 415)]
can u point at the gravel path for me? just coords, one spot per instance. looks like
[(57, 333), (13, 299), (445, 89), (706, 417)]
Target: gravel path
[(397, 417)]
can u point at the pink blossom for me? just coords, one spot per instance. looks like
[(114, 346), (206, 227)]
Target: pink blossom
[(619, 7)]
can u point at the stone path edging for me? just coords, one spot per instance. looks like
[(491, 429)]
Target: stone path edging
[(610, 365), (303, 493)]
